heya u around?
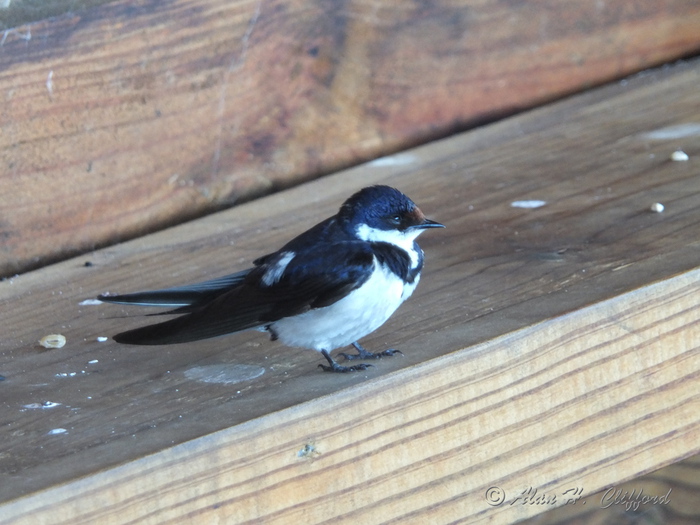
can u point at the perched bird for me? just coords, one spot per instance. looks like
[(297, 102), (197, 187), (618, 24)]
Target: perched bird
[(325, 289)]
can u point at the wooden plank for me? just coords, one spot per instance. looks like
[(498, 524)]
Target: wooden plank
[(135, 115), (14, 13), (597, 377), (589, 397), (668, 496)]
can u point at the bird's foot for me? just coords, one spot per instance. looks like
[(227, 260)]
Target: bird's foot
[(363, 353), (335, 367)]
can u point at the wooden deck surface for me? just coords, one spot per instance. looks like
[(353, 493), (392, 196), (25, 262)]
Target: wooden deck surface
[(553, 347), (135, 115), (680, 482)]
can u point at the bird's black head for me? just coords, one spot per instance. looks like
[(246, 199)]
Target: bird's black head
[(382, 213)]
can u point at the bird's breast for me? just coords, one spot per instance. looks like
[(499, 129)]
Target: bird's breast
[(349, 319)]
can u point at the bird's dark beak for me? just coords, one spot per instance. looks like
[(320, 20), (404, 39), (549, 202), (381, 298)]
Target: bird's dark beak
[(427, 223)]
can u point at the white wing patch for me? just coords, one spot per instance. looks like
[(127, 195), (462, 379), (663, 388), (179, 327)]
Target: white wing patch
[(275, 271)]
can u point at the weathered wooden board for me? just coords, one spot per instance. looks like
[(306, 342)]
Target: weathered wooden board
[(593, 397), (137, 114), (15, 13), (572, 403), (668, 496)]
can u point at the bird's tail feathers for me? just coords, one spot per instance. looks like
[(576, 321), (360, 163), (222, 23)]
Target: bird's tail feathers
[(183, 299)]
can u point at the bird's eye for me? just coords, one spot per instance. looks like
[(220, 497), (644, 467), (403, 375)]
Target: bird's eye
[(395, 219)]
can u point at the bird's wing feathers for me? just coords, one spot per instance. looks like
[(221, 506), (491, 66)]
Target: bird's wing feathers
[(309, 280), (184, 298)]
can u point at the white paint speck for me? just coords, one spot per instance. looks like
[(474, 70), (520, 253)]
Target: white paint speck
[(45, 404), (94, 361), (24, 36), (102, 339), (402, 159), (680, 131), (57, 431), (657, 207), (531, 204), (69, 374), (679, 156), (49, 83), (88, 302)]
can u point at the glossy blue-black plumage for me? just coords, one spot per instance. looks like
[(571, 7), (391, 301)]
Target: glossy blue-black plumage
[(328, 262)]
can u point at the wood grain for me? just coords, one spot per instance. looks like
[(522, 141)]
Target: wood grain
[(538, 350), (135, 115), (14, 13), (617, 504), (598, 395)]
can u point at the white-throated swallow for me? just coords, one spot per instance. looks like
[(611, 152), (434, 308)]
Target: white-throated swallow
[(325, 289)]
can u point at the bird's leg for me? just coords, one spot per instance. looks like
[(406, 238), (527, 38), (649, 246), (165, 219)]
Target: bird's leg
[(335, 367), (363, 353)]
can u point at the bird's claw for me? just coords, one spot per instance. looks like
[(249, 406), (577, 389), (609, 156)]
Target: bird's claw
[(364, 354), (335, 367)]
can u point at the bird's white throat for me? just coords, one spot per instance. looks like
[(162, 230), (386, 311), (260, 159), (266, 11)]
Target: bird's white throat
[(401, 239)]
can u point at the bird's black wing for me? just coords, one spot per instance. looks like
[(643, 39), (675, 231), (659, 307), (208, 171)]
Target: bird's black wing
[(325, 232), (312, 279), (188, 298)]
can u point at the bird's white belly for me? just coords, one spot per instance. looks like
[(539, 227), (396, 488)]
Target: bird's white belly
[(359, 313)]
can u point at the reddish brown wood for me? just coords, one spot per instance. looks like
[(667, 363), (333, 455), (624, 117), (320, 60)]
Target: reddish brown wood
[(134, 115)]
